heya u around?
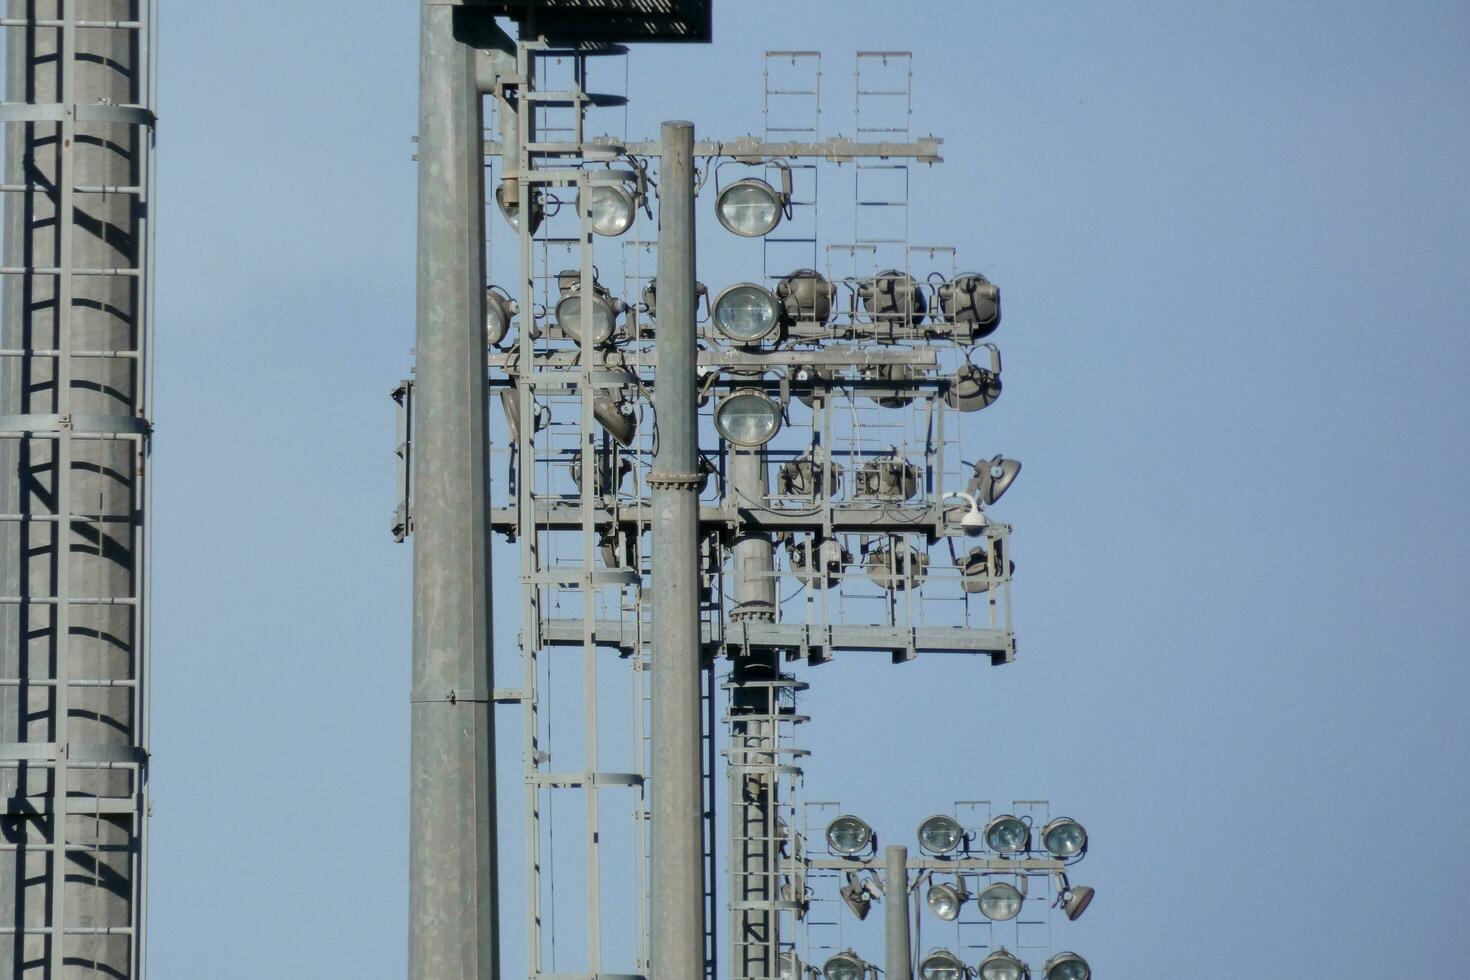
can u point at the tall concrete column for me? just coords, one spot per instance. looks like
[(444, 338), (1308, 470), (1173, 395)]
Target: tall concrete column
[(75, 684), (897, 913), (453, 914), (677, 929)]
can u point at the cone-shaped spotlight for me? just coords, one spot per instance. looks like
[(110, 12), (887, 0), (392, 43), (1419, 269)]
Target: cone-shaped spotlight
[(499, 310), (941, 965), (613, 208), (893, 299), (510, 207), (806, 297), (993, 477), (819, 564), (856, 897), (750, 207), (1000, 901), (945, 901), (888, 478), (898, 567), (748, 417), (1007, 835), (982, 568), (747, 313), (1001, 965), (849, 836), (941, 834), (845, 966), (806, 476), (616, 416), (972, 388), (1064, 837), (1076, 899), (1066, 966), (972, 302), (510, 403)]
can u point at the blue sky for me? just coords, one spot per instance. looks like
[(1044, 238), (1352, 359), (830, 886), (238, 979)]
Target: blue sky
[(1233, 242)]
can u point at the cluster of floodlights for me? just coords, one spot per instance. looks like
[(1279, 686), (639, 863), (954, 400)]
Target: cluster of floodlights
[(944, 965), (941, 834)]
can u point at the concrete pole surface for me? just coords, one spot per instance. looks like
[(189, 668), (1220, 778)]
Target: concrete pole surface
[(453, 913), (91, 556), (677, 924), (897, 954)]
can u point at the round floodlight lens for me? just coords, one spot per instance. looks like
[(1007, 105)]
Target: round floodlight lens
[(940, 834), (746, 312), (942, 965), (1067, 966), (748, 418), (944, 901), (1064, 837), (1000, 902), (790, 967), (569, 318), (612, 207), (848, 835), (749, 207), (1007, 835), (1001, 965), (844, 966)]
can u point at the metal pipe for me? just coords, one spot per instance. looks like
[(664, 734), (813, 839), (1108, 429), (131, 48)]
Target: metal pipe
[(453, 913), (897, 956), (677, 930)]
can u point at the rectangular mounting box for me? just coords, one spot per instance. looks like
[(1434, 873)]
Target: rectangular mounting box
[(605, 20)]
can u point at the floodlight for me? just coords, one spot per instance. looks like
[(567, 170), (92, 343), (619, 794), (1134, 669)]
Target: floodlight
[(748, 417), (1001, 901), (983, 566), (845, 966), (859, 892), (945, 901), (1064, 837), (888, 478), (849, 836), (804, 476), (972, 388), (604, 310), (993, 477), (510, 207), (607, 477), (510, 403), (750, 207), (806, 296), (896, 568), (1066, 966), (898, 376), (942, 965), (1075, 899), (1007, 835), (806, 380), (1001, 965), (746, 313), (616, 416), (819, 564), (613, 208), (941, 834), (974, 520), (499, 310), (650, 297), (791, 967), (972, 301), (893, 298)]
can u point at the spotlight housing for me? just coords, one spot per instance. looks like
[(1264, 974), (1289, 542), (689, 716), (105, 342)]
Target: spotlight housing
[(1064, 837), (1007, 834), (746, 313), (806, 297), (1000, 901), (605, 309), (893, 301), (751, 208), (993, 477), (845, 966), (1001, 965), (818, 564), (613, 208), (945, 901), (1066, 966), (849, 836), (607, 476), (1075, 899), (499, 311), (941, 965), (791, 967), (897, 567), (941, 834), (982, 567), (748, 417), (611, 406), (972, 302), (805, 475), (972, 388), (888, 478), (510, 207)]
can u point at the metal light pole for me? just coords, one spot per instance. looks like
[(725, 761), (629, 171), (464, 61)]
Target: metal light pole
[(452, 868), (897, 955), (677, 927)]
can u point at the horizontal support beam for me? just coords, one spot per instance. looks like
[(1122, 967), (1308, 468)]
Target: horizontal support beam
[(922, 518), (1045, 865), (836, 149)]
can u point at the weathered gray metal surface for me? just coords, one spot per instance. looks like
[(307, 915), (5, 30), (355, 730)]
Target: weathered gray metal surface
[(677, 927), (75, 390), (897, 953), (452, 856)]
